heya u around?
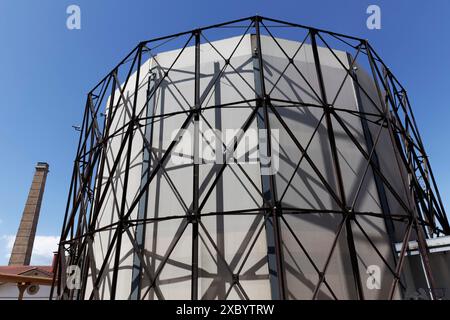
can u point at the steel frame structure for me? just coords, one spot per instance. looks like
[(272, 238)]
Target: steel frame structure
[(426, 215)]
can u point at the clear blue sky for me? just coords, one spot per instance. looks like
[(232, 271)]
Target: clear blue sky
[(46, 71)]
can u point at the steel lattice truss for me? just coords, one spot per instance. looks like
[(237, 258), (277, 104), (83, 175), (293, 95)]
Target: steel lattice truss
[(425, 216)]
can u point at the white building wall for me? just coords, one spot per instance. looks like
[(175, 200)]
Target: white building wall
[(10, 291)]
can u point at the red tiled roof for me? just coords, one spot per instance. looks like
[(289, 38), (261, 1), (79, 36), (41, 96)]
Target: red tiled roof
[(17, 270)]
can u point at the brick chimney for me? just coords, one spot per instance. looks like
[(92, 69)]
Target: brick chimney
[(23, 245)]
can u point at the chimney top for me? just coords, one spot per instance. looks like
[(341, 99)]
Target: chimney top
[(42, 166)]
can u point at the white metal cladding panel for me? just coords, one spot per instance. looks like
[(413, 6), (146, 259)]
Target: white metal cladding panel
[(170, 193), (370, 199), (390, 165), (353, 166), (238, 189), (292, 86), (234, 191), (317, 231)]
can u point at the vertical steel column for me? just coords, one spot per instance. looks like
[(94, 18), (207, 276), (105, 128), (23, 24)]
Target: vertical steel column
[(121, 225), (220, 221), (422, 245), (272, 209), (337, 169), (196, 191), (420, 230), (385, 209), (136, 280)]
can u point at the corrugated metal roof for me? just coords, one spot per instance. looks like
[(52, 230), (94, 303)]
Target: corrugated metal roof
[(18, 270)]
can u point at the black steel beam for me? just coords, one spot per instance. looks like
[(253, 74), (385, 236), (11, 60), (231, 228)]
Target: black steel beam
[(196, 179), (337, 169), (273, 236)]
